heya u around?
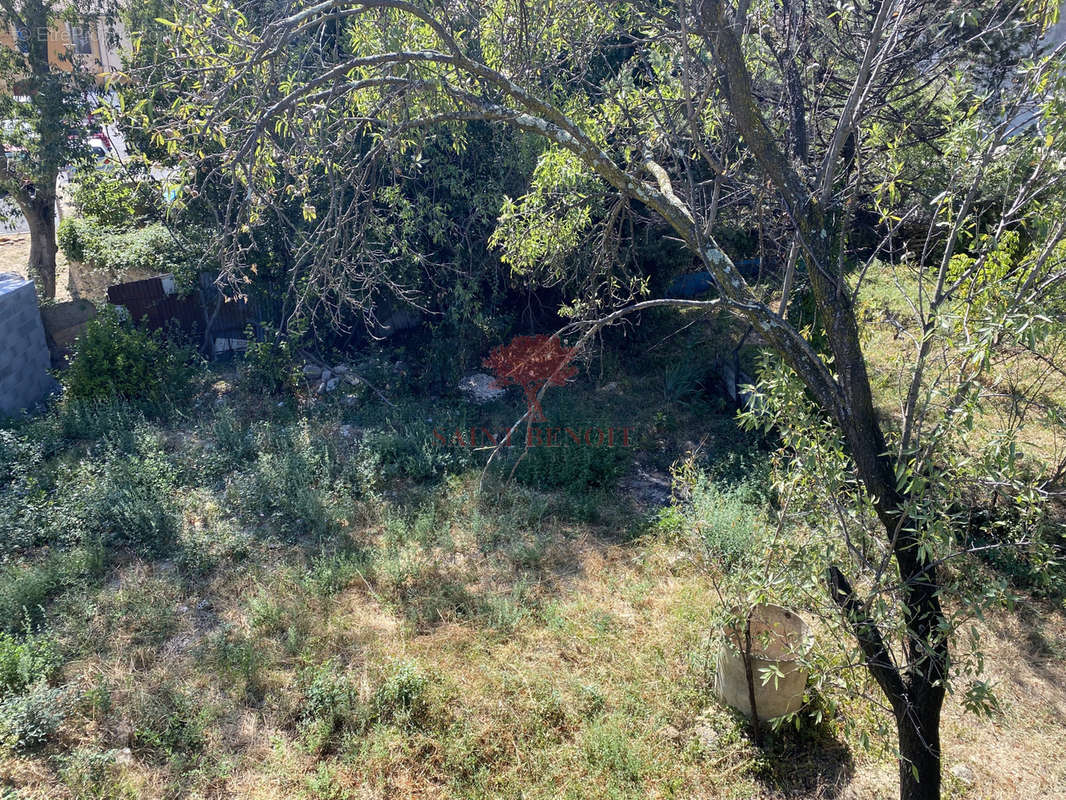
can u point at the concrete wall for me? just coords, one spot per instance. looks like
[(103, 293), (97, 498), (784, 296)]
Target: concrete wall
[(24, 358)]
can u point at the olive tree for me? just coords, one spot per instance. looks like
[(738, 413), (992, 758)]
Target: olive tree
[(922, 134)]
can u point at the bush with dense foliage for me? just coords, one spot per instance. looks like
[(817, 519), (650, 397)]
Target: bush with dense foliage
[(116, 359), (153, 249), (25, 661), (28, 720), (270, 365), (114, 201)]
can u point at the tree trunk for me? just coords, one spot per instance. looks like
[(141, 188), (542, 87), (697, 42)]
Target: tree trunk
[(919, 746), (40, 215)]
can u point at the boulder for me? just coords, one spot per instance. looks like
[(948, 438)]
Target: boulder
[(480, 388), (63, 324), (964, 774)]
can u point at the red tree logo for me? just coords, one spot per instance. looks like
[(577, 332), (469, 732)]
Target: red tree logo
[(530, 362)]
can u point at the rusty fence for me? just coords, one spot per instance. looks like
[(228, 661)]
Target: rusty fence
[(204, 313)]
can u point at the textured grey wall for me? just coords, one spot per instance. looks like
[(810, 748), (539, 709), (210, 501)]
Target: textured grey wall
[(24, 359)]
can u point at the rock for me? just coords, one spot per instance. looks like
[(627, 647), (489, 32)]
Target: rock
[(481, 388), (63, 324), (649, 488), (610, 387), (326, 375), (341, 369), (353, 380), (964, 774), (728, 376), (670, 733), (399, 320), (321, 388), (346, 431), (123, 734), (745, 396), (331, 384), (312, 371), (124, 757), (705, 735)]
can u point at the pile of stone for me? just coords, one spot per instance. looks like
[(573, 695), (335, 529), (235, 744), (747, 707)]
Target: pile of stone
[(481, 388), (327, 379)]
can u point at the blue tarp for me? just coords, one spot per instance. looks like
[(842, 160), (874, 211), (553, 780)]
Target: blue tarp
[(691, 284)]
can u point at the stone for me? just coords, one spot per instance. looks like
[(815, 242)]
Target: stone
[(123, 734), (964, 774), (331, 384), (399, 320), (649, 488), (341, 369), (352, 379), (311, 371), (729, 380), (63, 324), (610, 387), (705, 735), (670, 733), (327, 374), (124, 757), (481, 388)]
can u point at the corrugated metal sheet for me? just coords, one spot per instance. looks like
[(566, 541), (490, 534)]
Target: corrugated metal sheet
[(154, 302)]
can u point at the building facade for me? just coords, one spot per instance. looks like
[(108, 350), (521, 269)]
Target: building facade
[(93, 47)]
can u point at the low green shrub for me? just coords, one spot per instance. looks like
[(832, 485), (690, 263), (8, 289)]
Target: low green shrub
[(133, 505), (87, 419), (17, 455), (29, 720), (722, 519), (25, 661), (25, 588), (95, 775), (115, 359), (292, 485), (566, 464), (169, 725), (402, 697), (270, 365), (610, 749)]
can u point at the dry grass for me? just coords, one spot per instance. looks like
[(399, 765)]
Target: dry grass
[(600, 690), (1020, 391), (430, 645)]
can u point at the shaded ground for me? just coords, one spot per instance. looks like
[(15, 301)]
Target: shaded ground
[(322, 626)]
